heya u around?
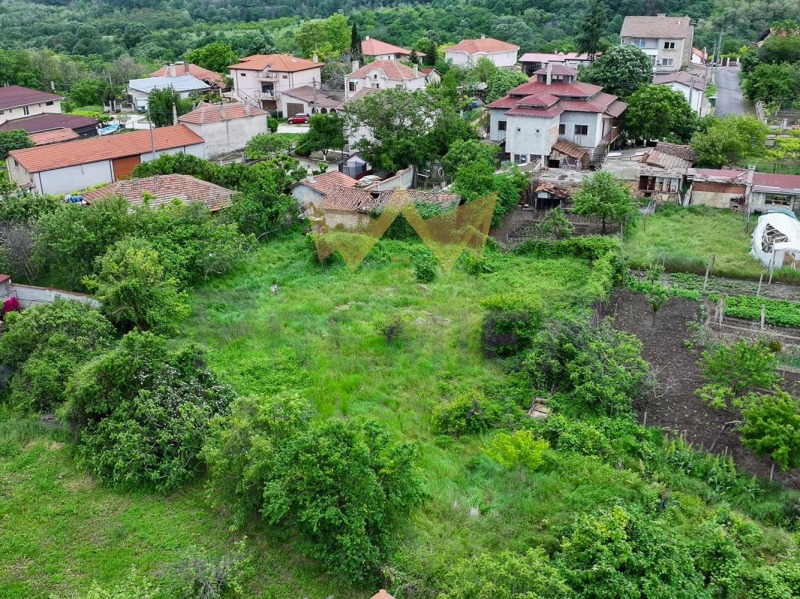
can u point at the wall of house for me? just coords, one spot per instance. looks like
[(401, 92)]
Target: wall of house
[(403, 179), (500, 59), (195, 150), (705, 194), (228, 136), (529, 136), (247, 84), (18, 174), (496, 116), (758, 201), (693, 97), (138, 99), (346, 220), (28, 296), (73, 178), (591, 119), (20, 112), (307, 195), (377, 80)]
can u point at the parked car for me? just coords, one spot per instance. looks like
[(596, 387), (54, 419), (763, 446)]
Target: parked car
[(299, 119)]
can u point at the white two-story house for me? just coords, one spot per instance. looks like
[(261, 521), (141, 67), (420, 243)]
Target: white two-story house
[(553, 109), (467, 52), (260, 79), (666, 40), (18, 102), (384, 74), (378, 50)]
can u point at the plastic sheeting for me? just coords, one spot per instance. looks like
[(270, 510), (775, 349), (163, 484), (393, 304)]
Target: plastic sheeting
[(776, 240)]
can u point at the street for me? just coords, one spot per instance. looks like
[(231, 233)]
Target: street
[(729, 94)]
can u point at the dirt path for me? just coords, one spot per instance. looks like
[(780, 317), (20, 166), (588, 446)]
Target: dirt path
[(678, 409)]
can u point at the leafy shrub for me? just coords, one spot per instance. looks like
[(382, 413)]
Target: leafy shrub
[(470, 412), (425, 266), (391, 327), (519, 449), (568, 434), (47, 344), (510, 322), (478, 264), (200, 576), (505, 575), (135, 586), (589, 248), (141, 412), (343, 485)]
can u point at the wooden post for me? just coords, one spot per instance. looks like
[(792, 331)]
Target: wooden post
[(763, 315), (760, 280), (721, 309), (771, 266), (709, 268), (772, 472), (645, 418)]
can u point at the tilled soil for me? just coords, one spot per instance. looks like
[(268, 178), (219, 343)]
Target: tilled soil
[(676, 408)]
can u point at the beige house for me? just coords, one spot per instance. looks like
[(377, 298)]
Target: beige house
[(18, 102), (666, 40), (378, 50), (225, 128), (384, 74), (467, 52), (259, 80)]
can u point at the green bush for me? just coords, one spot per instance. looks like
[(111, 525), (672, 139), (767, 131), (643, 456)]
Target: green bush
[(425, 266), (510, 322), (341, 484), (579, 436), (471, 412), (141, 412), (519, 449), (589, 248)]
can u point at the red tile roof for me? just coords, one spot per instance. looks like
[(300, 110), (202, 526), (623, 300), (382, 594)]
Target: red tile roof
[(97, 149), (348, 198), (282, 63), (217, 113), (12, 96), (537, 101), (482, 45), (326, 181), (393, 70), (187, 68), (661, 27), (558, 69), (557, 88), (536, 112), (777, 181), (48, 121), (52, 137), (165, 189), (373, 47)]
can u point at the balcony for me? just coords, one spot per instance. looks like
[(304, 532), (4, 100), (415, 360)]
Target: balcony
[(266, 76)]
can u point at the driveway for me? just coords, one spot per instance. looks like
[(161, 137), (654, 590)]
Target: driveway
[(287, 128), (729, 94)]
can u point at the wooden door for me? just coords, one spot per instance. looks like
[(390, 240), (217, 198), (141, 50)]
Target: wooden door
[(123, 167)]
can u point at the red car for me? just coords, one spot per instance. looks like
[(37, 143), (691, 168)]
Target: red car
[(299, 119)]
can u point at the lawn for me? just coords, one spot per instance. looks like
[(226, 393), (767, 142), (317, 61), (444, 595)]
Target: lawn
[(685, 240)]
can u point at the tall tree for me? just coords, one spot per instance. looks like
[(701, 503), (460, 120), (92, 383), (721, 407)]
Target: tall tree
[(620, 71), (355, 43), (160, 106), (606, 197), (659, 112), (730, 140), (592, 28), (216, 56)]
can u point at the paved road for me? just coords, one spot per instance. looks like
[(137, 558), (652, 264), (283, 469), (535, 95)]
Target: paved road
[(729, 94)]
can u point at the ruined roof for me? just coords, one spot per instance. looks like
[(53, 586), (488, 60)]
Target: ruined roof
[(164, 189), (325, 182), (681, 151), (348, 198), (53, 136), (569, 149), (661, 27), (400, 197), (666, 161)]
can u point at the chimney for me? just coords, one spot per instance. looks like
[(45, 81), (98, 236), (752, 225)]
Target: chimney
[(315, 57), (483, 36), (185, 68), (172, 69), (661, 14), (366, 38), (310, 172), (416, 71), (549, 79), (355, 66)]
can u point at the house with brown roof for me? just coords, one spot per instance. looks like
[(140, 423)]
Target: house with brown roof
[(17, 102), (54, 121), (467, 52), (187, 68), (308, 99), (259, 80), (666, 40), (313, 189), (75, 165), (384, 74), (164, 189), (692, 87), (226, 127), (378, 50), (534, 116), (54, 136)]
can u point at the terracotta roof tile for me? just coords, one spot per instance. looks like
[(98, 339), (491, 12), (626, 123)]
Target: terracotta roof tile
[(656, 27), (348, 198), (373, 47), (165, 189), (217, 113), (48, 121), (482, 45), (12, 96), (97, 149), (681, 151), (282, 63), (393, 70), (183, 68), (558, 69), (326, 181), (52, 137), (776, 181), (557, 88)]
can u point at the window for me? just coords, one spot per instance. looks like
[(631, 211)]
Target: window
[(25, 111), (242, 74), (537, 132), (640, 43), (399, 86), (501, 126), (286, 76), (581, 129), (669, 45), (667, 62), (562, 129), (774, 199), (48, 103), (351, 86)]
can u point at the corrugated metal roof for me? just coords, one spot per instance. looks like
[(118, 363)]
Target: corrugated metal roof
[(184, 83)]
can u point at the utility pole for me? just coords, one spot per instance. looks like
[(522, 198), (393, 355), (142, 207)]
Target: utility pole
[(152, 138)]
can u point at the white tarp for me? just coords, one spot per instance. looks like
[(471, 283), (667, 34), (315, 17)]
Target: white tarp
[(776, 240)]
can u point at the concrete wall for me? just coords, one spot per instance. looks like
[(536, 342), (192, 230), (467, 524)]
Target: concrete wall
[(693, 97), (195, 150), (306, 195), (376, 79), (680, 55), (496, 116), (528, 136), (18, 174), (229, 136), (715, 199), (403, 179), (500, 59), (20, 112), (247, 84), (592, 120), (33, 296), (758, 201)]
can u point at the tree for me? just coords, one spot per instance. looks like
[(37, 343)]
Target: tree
[(555, 224), (141, 411), (342, 484), (266, 145), (326, 131), (501, 81), (325, 38), (161, 103), (620, 71), (88, 92), (786, 149), (134, 34), (216, 56), (592, 28), (657, 112), (15, 139), (18, 250), (729, 140), (777, 84), (135, 290), (606, 197), (771, 426), (656, 295), (465, 152), (429, 49), (355, 43)]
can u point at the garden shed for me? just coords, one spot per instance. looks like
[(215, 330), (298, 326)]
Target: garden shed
[(776, 239)]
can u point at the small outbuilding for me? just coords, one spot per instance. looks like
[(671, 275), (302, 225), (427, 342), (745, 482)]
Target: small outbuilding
[(225, 128), (776, 239)]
